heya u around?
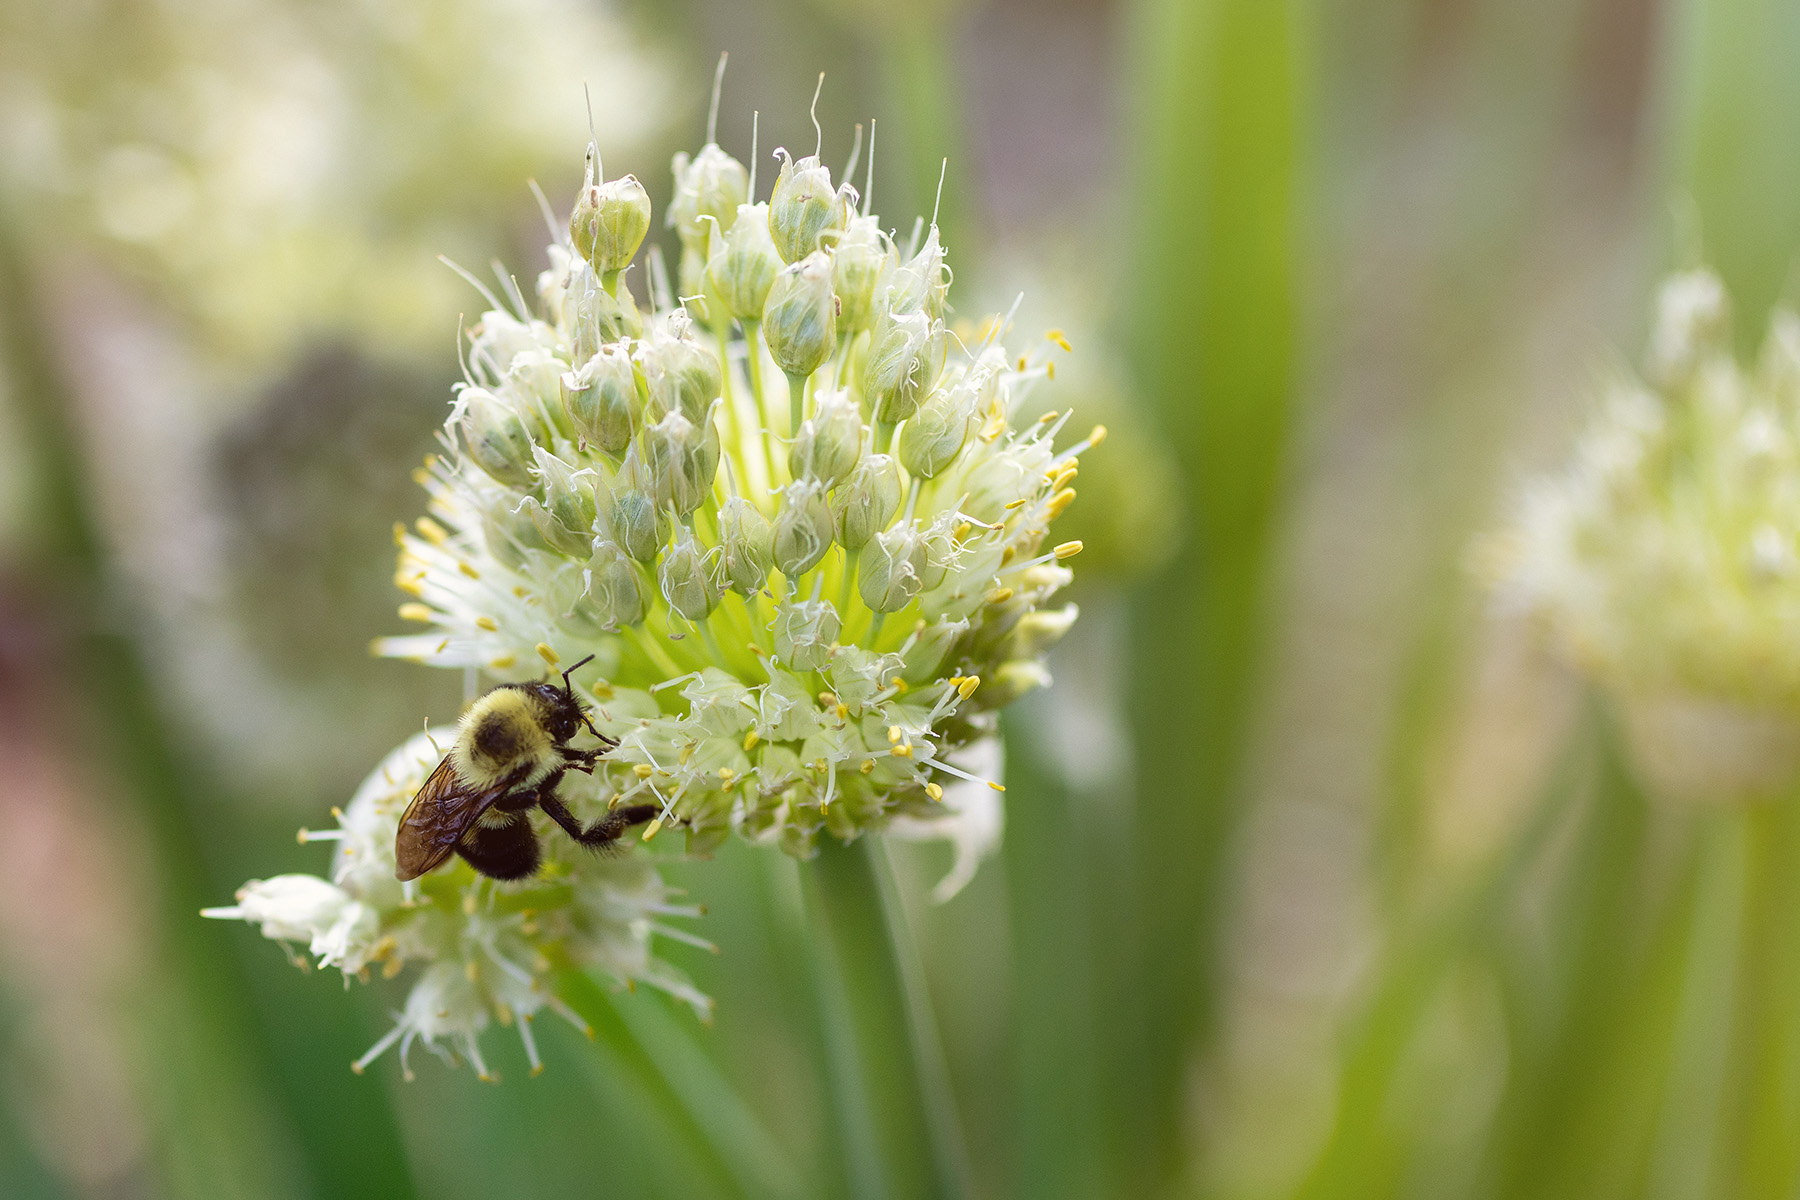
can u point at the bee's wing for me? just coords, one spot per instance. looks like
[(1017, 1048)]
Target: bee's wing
[(437, 818)]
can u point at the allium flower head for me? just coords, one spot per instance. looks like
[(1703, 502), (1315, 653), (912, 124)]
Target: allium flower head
[(790, 515), (486, 952), (1662, 559)]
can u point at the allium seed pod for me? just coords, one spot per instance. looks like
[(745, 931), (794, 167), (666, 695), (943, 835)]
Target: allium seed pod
[(887, 574), (828, 442), (901, 365), (601, 400), (805, 631), (708, 187), (683, 575), (609, 223), (861, 261), (864, 504), (804, 208), (680, 374), (494, 436), (743, 263), (799, 321), (802, 529), (746, 547)]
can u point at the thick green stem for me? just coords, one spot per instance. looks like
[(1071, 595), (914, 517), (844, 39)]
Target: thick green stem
[(890, 1089)]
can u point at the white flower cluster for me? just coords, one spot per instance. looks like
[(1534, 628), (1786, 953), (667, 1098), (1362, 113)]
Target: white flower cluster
[(789, 517), (489, 951), (1662, 560)]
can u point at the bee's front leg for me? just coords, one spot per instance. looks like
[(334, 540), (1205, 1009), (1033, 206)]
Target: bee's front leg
[(581, 760)]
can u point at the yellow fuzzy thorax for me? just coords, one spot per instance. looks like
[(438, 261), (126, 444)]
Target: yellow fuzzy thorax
[(499, 732)]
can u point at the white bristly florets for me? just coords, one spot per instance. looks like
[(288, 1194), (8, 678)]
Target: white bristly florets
[(1662, 559), (790, 517), (487, 951)]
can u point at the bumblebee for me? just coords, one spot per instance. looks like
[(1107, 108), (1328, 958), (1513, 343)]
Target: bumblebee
[(511, 751)]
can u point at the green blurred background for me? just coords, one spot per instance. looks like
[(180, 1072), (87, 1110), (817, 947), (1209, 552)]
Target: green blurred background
[(1319, 879)]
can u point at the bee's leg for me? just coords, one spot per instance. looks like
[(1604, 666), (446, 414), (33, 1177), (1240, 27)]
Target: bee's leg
[(603, 832), (581, 760), (508, 851)]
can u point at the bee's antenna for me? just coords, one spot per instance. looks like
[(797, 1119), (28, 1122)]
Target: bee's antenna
[(568, 671)]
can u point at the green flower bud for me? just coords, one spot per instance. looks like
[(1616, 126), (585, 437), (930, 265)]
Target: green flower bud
[(887, 575), (827, 445), (609, 222), (938, 550), (799, 321), (600, 399), (494, 436), (803, 208), (860, 264), (633, 517), (805, 631), (802, 529), (1041, 629), (924, 652), (743, 263), (936, 434), (680, 374), (1010, 682), (864, 503), (902, 364), (682, 459), (965, 587), (682, 573), (595, 316), (568, 495), (708, 187), (559, 537), (922, 283), (509, 533), (615, 597), (746, 547)]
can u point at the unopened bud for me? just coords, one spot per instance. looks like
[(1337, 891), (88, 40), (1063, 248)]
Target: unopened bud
[(799, 321), (860, 263), (682, 573), (804, 633), (680, 374), (746, 547), (1041, 629), (828, 442), (743, 264), (614, 593), (887, 575), (682, 459), (495, 436), (924, 652), (802, 529), (559, 537), (632, 514), (922, 283), (936, 434), (804, 207), (568, 495), (595, 315), (902, 364), (866, 501), (708, 187), (601, 400), (609, 222)]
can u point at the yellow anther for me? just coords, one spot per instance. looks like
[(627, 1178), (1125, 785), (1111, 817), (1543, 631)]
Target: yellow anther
[(1067, 550), (537, 1070), (468, 904), (409, 584), (337, 813), (442, 646), (902, 751), (962, 531), (1000, 595), (487, 623), (1097, 436), (868, 766), (893, 735), (431, 531), (934, 791), (827, 699), (643, 770), (468, 570), (399, 534), (430, 461), (900, 686), (1061, 339), (686, 753), (356, 1067), (1060, 502), (843, 710), (502, 663), (1067, 477), (1050, 371), (967, 687), (547, 654), (750, 740), (392, 967), (818, 764), (1048, 417), (652, 829), (602, 689), (301, 836), (1022, 363), (998, 787), (417, 612), (1007, 555), (1021, 502), (421, 476)]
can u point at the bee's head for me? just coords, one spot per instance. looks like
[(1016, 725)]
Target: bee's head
[(564, 714)]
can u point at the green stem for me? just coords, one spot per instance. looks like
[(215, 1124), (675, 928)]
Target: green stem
[(796, 405), (889, 1085)]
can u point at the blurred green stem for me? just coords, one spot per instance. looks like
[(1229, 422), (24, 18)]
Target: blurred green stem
[(896, 1114)]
